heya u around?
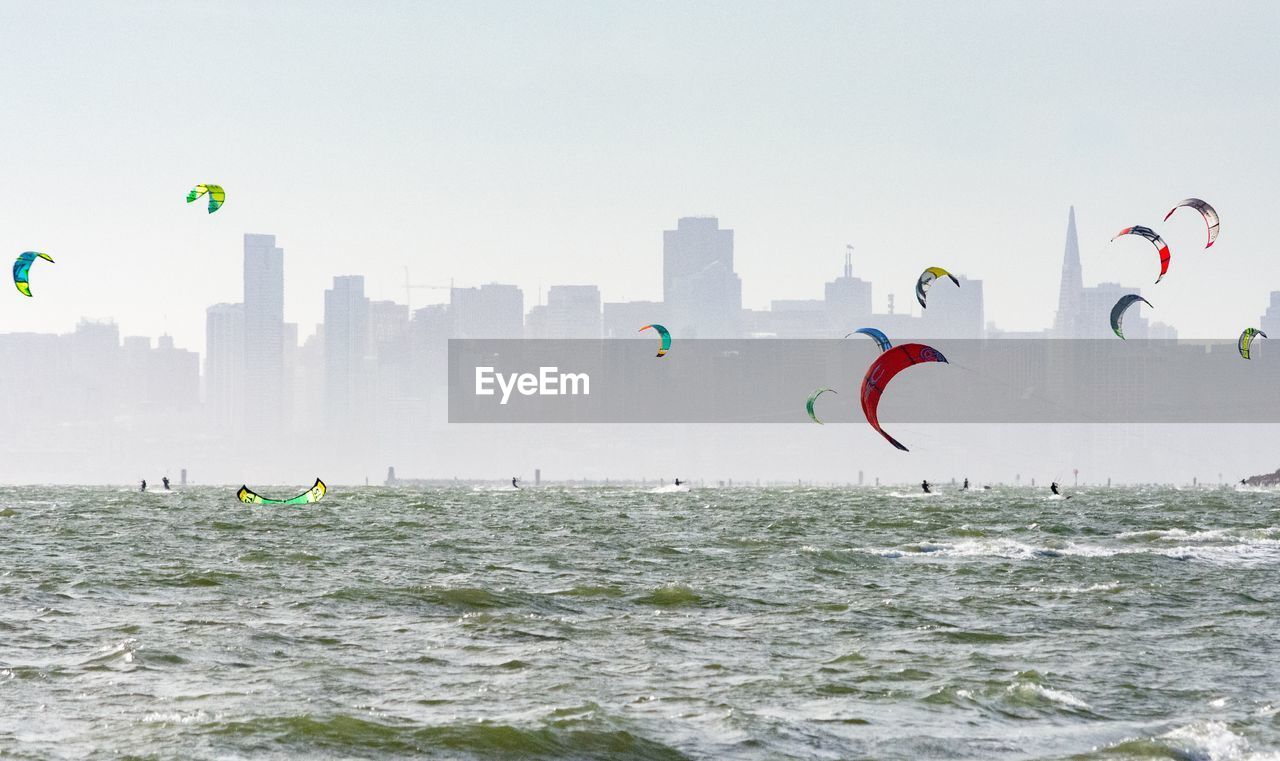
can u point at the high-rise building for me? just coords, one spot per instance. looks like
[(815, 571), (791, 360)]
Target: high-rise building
[(699, 286), (390, 348), (309, 384), (1094, 317), (263, 334), (493, 310), (347, 346), (957, 313), (224, 366), (1086, 312), (94, 350), (1270, 320), (848, 299), (1071, 286), (174, 385), (135, 368), (572, 311)]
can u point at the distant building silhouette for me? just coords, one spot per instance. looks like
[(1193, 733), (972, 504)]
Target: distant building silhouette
[(224, 366), (954, 312), (493, 310), (623, 319), (165, 380), (374, 374), (1094, 319), (847, 298), (1269, 322), (346, 346), (93, 354), (391, 382), (263, 334), (571, 311), (1085, 312), (1071, 286), (699, 286)]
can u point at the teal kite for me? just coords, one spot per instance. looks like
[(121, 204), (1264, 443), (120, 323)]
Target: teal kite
[(877, 335), (22, 267), (666, 337), (216, 195), (314, 494)]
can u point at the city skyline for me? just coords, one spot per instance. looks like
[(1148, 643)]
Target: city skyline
[(264, 285), (537, 158), (378, 365)]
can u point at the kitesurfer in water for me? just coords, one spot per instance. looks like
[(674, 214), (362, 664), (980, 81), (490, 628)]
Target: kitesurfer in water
[(925, 485), (1053, 487), (144, 485), (679, 482), (165, 481), (966, 485), (514, 485)]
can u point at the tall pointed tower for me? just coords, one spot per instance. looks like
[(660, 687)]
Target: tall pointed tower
[(1072, 286)]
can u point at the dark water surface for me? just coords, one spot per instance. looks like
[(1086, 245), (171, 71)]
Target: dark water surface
[(623, 624)]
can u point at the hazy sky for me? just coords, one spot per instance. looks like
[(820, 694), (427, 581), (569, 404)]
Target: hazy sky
[(553, 142)]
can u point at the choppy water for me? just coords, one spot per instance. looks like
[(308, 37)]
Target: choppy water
[(616, 623)]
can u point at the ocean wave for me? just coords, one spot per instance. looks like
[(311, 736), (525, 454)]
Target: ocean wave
[(1267, 535), (1025, 697), (1199, 741), (347, 734), (670, 596), (1072, 589), (1032, 693), (1243, 551)]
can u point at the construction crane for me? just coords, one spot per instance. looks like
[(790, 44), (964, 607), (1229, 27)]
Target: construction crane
[(408, 288)]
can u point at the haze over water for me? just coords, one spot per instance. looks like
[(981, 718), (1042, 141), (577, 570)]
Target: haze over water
[(618, 623)]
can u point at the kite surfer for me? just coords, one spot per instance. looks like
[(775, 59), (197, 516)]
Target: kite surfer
[(679, 482), (1053, 487), (925, 485), (144, 485), (966, 485), (165, 481), (514, 485)]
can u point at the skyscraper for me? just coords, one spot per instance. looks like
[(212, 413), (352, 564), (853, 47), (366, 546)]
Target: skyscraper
[(263, 334), (847, 298), (699, 286), (1071, 288), (960, 315), (1085, 312), (346, 347), (224, 365), (493, 310), (572, 311), (390, 351), (1269, 323)]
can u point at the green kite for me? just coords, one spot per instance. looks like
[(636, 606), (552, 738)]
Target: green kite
[(314, 494), (216, 195), (813, 398)]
